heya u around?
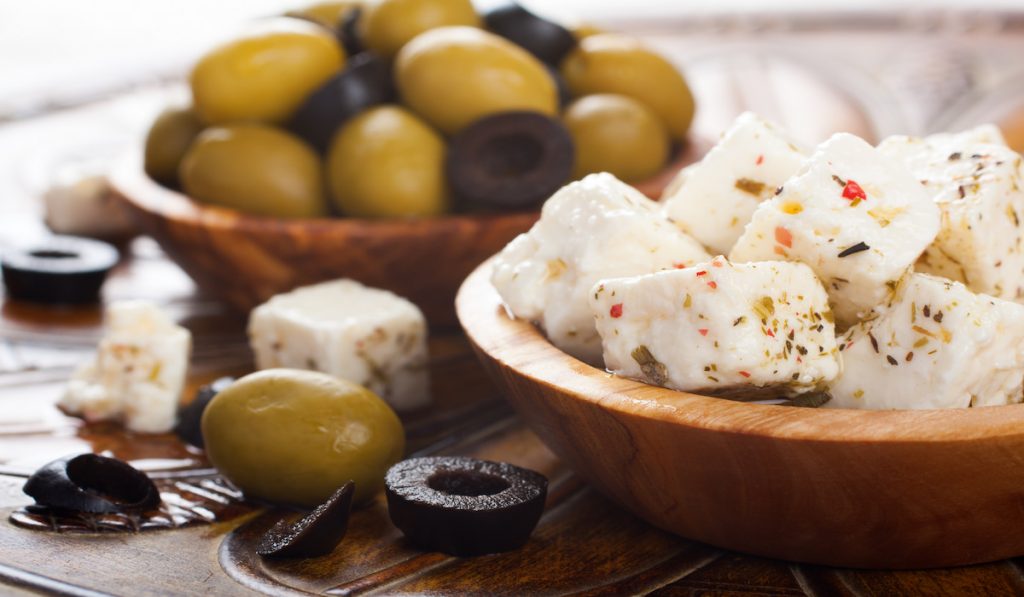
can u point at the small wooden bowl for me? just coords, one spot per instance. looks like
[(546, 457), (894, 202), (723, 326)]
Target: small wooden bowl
[(245, 259), (871, 489)]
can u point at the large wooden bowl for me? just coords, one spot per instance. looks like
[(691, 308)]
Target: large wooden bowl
[(246, 259), (873, 489)]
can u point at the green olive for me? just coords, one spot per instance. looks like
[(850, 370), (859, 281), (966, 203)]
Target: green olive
[(387, 25), (265, 75), (609, 63), (167, 141), (328, 14), (453, 76), (256, 169), (386, 162), (617, 134), (293, 437)]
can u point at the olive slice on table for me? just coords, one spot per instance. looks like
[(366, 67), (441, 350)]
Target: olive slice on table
[(92, 483), (510, 160), (544, 39), (464, 506), (189, 426), (63, 270), (365, 83), (314, 535)]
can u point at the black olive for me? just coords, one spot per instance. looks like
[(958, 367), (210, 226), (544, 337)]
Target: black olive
[(190, 416), (510, 160), (63, 270), (348, 31), (316, 534), (92, 483), (544, 39), (365, 82), (464, 506), (564, 95)]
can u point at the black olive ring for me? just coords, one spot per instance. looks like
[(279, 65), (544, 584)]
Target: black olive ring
[(92, 483), (464, 506), (62, 270)]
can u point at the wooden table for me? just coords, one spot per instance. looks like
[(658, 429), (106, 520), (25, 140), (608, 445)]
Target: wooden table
[(584, 543)]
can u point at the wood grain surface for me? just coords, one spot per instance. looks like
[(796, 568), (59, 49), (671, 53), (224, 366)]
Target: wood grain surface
[(584, 544), (870, 489)]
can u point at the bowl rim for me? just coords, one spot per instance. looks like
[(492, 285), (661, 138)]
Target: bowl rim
[(129, 180), (521, 348)]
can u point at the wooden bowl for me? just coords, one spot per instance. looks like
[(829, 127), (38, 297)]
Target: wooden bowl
[(246, 259), (871, 489)]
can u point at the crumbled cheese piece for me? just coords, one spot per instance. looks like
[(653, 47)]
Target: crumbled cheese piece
[(717, 197), (938, 345), (719, 327), (138, 373), (859, 219), (365, 335), (86, 207), (978, 184), (591, 229)]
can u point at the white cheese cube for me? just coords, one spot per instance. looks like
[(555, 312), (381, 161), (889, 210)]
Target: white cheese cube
[(86, 207), (718, 327), (591, 229), (937, 346), (978, 185), (365, 335), (988, 134), (858, 218), (138, 373), (718, 195)]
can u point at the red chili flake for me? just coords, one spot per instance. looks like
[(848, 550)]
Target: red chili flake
[(703, 331), (853, 191), (616, 310), (780, 251), (679, 265), (716, 264), (769, 332), (784, 237), (745, 373), (712, 284), (760, 160), (702, 272)]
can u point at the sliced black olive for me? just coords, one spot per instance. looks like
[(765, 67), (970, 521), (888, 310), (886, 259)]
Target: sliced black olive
[(92, 483), (510, 160), (63, 270), (348, 31), (316, 534), (365, 82), (190, 416), (544, 39), (464, 506)]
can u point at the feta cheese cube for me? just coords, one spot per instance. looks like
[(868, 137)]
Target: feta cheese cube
[(86, 206), (988, 134), (138, 373), (739, 329), (368, 336), (591, 229), (718, 195), (938, 345), (978, 184), (858, 218)]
